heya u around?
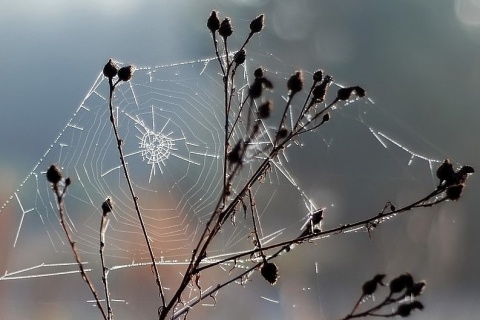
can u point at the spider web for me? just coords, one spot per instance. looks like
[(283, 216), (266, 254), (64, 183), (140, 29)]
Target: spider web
[(170, 118)]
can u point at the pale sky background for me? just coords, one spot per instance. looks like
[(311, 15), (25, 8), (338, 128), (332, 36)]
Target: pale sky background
[(418, 60)]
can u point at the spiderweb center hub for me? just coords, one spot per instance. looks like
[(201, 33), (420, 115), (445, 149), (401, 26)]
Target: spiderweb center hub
[(156, 147)]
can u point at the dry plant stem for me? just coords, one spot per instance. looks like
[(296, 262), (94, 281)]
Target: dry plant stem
[(105, 271), (134, 197), (366, 223), (61, 212)]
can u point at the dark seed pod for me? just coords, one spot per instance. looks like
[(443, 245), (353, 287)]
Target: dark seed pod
[(234, 156), (370, 286), (282, 133), (240, 57), (400, 283), (345, 93), (267, 83), (264, 110), (107, 206), (269, 272), (319, 92), (318, 75), (110, 69), (258, 73), (125, 73), (405, 309), (213, 23), (255, 90), (295, 83), (416, 289), (317, 216), (445, 172), (360, 92), (225, 30), (54, 175), (68, 181), (257, 24), (454, 192), (326, 117)]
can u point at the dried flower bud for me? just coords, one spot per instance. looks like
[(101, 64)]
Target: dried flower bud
[(110, 69), (295, 83), (107, 206), (326, 117), (213, 23), (317, 216), (264, 110), (345, 93), (416, 289), (234, 156), (267, 83), (239, 57), (401, 283), (269, 272), (454, 192), (318, 76), (54, 175), (68, 181), (257, 24), (258, 73), (360, 92), (370, 286), (282, 133), (225, 30), (445, 172), (125, 73), (319, 92), (462, 174), (405, 309), (255, 90)]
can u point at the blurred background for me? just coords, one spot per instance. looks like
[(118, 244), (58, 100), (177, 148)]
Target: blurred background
[(420, 63)]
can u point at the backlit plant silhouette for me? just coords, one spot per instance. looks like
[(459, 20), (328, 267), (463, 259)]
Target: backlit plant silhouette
[(317, 108)]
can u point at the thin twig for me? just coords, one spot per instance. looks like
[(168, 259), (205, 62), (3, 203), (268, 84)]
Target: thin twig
[(66, 228), (105, 270), (132, 193)]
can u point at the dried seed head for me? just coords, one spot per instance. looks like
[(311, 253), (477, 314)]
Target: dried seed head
[(345, 93), (360, 92), (400, 283), (110, 69), (318, 76), (326, 117), (416, 289), (68, 182), (282, 133), (445, 171), (405, 309), (255, 90), (54, 175), (462, 174), (258, 73), (295, 83), (234, 156), (267, 83), (317, 216), (454, 192), (126, 73), (269, 272), (319, 92), (370, 286), (240, 57), (107, 206), (265, 110), (213, 23), (225, 30), (257, 24)]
